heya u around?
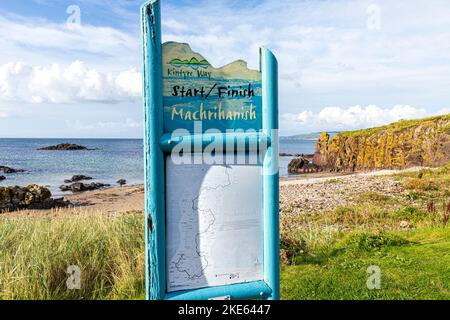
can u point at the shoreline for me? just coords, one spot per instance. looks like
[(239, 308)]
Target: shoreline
[(320, 177), (307, 192)]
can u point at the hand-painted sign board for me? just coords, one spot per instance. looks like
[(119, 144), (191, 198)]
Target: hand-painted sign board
[(194, 91), (211, 159)]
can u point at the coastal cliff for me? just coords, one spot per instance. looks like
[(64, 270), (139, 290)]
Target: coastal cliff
[(407, 143)]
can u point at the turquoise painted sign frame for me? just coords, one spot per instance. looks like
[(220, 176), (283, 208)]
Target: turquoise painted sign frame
[(157, 144)]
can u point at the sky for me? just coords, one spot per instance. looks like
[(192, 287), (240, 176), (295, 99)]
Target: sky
[(73, 68)]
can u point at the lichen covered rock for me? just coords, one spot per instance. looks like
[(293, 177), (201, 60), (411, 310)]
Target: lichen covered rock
[(402, 144), (30, 197), (302, 165), (82, 187)]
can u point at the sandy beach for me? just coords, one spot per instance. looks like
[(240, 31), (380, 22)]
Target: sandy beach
[(109, 202)]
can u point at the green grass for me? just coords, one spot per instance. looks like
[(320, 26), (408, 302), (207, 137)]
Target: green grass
[(36, 252), (414, 266)]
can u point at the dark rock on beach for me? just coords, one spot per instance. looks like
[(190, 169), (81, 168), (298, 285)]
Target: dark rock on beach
[(302, 165), (8, 170), (297, 164), (66, 147), (2, 178), (81, 187), (65, 188), (307, 156), (78, 178), (32, 197)]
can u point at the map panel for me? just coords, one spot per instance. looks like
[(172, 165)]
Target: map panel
[(214, 225)]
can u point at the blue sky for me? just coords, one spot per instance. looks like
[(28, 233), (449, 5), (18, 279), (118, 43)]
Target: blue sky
[(343, 64)]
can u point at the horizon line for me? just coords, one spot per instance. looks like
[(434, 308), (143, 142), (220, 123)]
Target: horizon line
[(91, 138)]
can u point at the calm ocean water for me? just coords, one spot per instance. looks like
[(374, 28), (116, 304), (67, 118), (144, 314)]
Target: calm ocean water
[(114, 159)]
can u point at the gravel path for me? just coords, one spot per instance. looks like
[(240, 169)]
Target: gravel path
[(327, 193)]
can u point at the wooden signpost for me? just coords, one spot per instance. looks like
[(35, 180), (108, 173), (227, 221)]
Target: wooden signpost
[(211, 167)]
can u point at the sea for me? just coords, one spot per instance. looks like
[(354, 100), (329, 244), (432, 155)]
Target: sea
[(111, 160)]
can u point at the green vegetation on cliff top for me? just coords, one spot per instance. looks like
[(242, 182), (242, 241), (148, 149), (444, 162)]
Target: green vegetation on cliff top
[(396, 126)]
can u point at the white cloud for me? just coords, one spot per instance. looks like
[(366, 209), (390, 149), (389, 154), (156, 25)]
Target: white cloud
[(17, 33), (363, 117), (130, 81), (174, 25), (67, 84), (302, 117), (442, 111), (355, 117)]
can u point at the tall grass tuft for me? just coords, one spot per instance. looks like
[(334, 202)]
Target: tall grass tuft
[(35, 253)]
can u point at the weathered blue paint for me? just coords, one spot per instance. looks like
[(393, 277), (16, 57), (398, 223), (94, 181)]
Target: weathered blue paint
[(154, 157), (157, 144), (269, 69), (241, 291)]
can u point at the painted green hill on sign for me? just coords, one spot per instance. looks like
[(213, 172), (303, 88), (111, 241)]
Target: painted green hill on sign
[(193, 63)]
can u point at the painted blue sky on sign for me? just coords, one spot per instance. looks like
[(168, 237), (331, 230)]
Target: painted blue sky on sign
[(343, 64)]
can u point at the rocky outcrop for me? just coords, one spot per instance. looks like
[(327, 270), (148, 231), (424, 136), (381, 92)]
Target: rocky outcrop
[(2, 178), (65, 147), (307, 156), (302, 165), (81, 187), (78, 178), (8, 170), (32, 197), (403, 144)]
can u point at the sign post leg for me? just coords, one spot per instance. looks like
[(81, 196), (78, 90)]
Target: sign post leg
[(269, 69), (154, 157)]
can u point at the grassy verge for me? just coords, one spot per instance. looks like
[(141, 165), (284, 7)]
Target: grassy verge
[(37, 251), (416, 267), (328, 255)]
